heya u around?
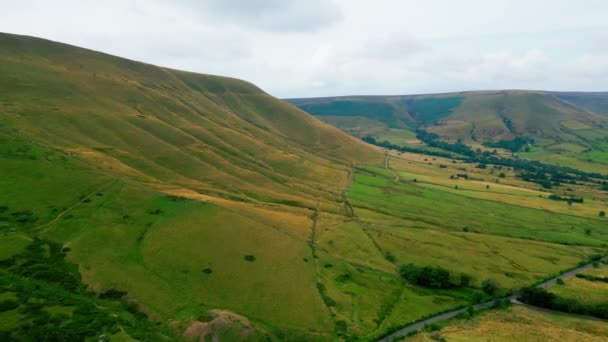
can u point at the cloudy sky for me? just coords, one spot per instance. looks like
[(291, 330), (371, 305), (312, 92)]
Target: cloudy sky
[(301, 48)]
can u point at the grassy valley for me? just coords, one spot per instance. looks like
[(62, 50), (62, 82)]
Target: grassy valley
[(144, 203)]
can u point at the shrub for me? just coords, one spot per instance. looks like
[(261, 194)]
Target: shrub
[(112, 294), (249, 257), (7, 305), (465, 280), (489, 286), (207, 270), (560, 281), (389, 256), (155, 211), (602, 214)]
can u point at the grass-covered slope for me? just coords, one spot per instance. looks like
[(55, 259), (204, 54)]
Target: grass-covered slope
[(186, 193), (503, 115), (594, 102), (212, 134)]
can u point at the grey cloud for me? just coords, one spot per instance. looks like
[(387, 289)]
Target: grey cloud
[(270, 15)]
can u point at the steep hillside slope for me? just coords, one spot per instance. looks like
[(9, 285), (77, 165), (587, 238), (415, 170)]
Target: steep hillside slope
[(214, 135), (178, 192), (594, 102), (494, 116)]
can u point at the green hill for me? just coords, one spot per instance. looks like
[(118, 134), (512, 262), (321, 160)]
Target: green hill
[(566, 128), (99, 151)]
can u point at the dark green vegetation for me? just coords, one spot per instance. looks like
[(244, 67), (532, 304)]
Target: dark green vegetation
[(143, 202), (428, 276), (592, 277), (44, 300), (429, 110), (545, 299)]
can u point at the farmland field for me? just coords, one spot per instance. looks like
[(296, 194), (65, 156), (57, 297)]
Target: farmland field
[(585, 291), (520, 323)]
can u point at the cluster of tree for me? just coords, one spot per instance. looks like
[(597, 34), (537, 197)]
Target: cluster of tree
[(567, 199), (545, 299), (433, 140), (386, 144), (514, 145), (546, 175), (433, 277), (592, 277)]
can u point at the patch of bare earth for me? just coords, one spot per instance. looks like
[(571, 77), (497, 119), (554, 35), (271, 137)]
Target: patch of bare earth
[(222, 321)]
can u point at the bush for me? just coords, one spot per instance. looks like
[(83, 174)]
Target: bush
[(249, 257), (389, 256), (489, 286), (602, 214), (465, 280), (560, 281), (155, 211), (7, 305)]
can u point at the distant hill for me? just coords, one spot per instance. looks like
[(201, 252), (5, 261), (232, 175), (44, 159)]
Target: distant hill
[(471, 116), (594, 102)]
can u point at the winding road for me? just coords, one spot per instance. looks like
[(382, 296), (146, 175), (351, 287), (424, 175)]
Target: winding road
[(447, 315)]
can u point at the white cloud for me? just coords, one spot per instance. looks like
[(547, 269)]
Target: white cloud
[(294, 48)]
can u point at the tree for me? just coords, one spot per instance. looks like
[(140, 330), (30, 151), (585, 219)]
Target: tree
[(389, 256), (427, 276), (489, 286), (502, 175), (465, 280), (602, 214)]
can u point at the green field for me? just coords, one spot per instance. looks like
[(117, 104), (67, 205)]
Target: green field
[(583, 290)]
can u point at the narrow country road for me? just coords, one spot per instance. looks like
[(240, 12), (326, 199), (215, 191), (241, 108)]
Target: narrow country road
[(447, 315)]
